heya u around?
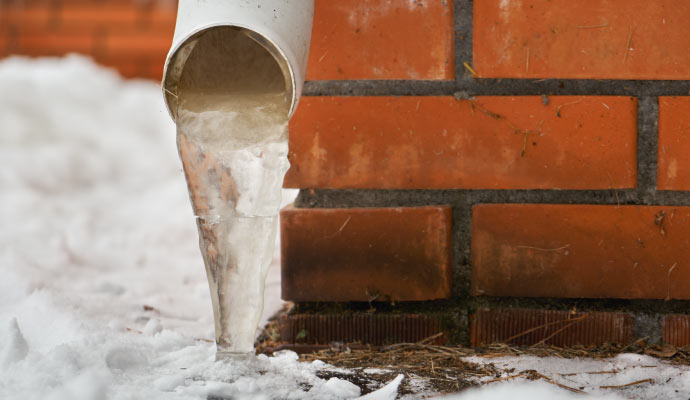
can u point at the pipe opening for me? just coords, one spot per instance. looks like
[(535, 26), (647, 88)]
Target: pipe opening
[(225, 60)]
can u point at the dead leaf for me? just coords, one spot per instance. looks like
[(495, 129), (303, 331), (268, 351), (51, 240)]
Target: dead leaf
[(666, 351)]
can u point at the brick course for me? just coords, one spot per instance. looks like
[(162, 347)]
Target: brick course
[(381, 254), (131, 36), (586, 39), (674, 143), (367, 329), (675, 330), (590, 251), (502, 142), (528, 327), (381, 39)]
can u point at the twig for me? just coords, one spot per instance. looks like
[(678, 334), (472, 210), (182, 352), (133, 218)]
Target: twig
[(340, 230), (488, 112), (668, 280), (592, 26), (541, 249), (510, 339), (613, 371), (560, 385), (344, 224), (169, 92), (527, 62), (430, 338), (574, 321), (618, 200), (473, 72), (627, 46), (648, 380), (505, 378), (558, 109)]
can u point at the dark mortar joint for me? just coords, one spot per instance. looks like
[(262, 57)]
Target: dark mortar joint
[(647, 326), (351, 198), (499, 87), (647, 145)]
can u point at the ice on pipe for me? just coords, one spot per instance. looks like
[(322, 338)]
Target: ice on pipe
[(15, 347), (232, 121)]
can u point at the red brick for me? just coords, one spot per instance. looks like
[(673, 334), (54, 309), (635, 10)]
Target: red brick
[(381, 39), (369, 329), (54, 43), (154, 71), (361, 254), (573, 142), (153, 44), (590, 251), (558, 328), (674, 143), (38, 16), (4, 43), (128, 67), (675, 330), (616, 39), (162, 15), (102, 16)]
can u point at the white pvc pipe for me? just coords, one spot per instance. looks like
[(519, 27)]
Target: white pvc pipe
[(282, 26)]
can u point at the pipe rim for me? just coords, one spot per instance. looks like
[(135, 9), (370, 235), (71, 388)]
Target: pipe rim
[(283, 62)]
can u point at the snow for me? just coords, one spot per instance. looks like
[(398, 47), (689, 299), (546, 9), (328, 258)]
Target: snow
[(388, 392), (670, 381), (103, 291)]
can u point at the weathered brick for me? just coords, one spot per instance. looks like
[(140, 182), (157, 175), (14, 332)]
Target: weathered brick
[(54, 43), (4, 42), (162, 15), (34, 17), (675, 329), (590, 251), (371, 329), (573, 142), (381, 39), (674, 143), (128, 67), (559, 328), (616, 39), (154, 71), (101, 15), (133, 43), (366, 254)]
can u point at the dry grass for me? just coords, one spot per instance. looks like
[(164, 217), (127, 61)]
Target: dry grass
[(445, 369)]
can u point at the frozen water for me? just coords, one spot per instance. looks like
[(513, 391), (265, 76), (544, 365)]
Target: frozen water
[(232, 139)]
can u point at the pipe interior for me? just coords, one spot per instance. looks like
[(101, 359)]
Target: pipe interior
[(226, 60)]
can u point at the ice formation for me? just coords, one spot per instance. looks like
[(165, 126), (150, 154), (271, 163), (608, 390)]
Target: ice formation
[(232, 139)]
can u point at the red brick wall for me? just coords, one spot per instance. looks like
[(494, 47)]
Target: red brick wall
[(555, 132), (132, 36)]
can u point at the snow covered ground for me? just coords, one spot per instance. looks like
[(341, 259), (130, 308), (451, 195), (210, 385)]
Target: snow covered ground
[(103, 292)]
